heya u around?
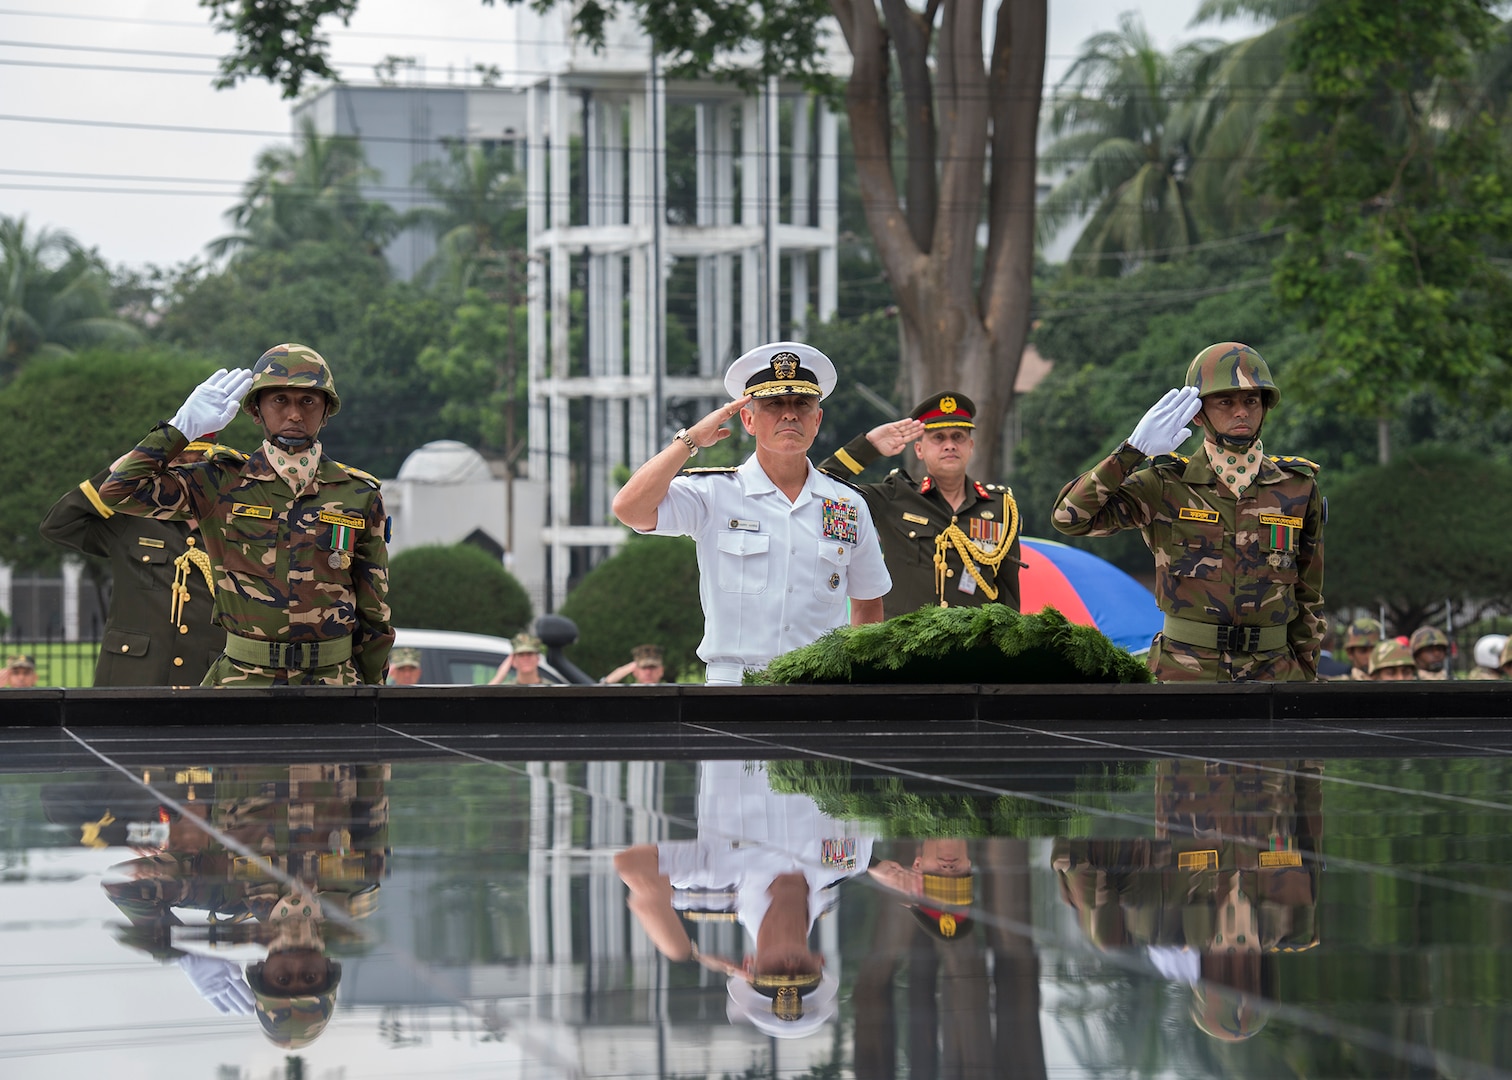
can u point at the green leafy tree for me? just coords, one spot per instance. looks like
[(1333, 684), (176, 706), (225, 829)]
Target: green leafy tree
[(970, 113), (647, 593), (1393, 178), (456, 587), (479, 370), (55, 297), (1123, 112), (480, 222), (1455, 545), (63, 421), (309, 192)]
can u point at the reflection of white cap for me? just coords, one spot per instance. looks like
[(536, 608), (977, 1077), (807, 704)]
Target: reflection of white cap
[(780, 368), (817, 1007)]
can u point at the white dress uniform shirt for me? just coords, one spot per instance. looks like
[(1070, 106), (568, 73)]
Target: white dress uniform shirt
[(748, 835), (773, 575)]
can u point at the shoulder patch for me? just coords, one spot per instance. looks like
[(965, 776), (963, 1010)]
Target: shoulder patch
[(707, 470), (366, 477), (1296, 464), (1171, 461)]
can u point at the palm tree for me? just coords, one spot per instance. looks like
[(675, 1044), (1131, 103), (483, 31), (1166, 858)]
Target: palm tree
[(309, 192), (481, 215), (1242, 85), (1123, 112), (54, 297)]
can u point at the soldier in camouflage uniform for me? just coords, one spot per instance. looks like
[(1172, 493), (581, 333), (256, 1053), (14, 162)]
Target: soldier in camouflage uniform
[(1391, 662), (161, 627), (1229, 882), (948, 540), (318, 841), (1359, 641), (1237, 535), (298, 540), (1430, 652)]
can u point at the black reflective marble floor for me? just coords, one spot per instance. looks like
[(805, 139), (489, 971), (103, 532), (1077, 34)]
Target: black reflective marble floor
[(1322, 900)]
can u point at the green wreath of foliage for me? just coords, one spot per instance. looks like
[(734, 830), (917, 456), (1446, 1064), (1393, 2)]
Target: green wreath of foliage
[(990, 644)]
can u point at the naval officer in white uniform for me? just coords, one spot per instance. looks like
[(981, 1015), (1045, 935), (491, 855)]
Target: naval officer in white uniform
[(781, 545)]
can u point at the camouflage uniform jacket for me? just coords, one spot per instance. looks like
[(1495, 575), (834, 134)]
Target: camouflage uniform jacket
[(142, 645), (909, 514), (1252, 561), (1260, 825), (273, 552)]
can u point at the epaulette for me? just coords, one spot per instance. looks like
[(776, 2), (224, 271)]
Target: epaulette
[(705, 470), (1297, 464), (366, 477), (1001, 489), (219, 452), (1171, 461)]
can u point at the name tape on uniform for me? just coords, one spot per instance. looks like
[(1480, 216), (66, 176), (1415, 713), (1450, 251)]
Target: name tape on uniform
[(147, 541), (917, 519), (1190, 514), (348, 520), (1281, 519), (249, 510)]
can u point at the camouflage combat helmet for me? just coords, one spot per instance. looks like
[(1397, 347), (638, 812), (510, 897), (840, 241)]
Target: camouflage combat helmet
[(1390, 653), (1229, 366), (293, 1021), (1425, 637), (292, 365), (1362, 634)]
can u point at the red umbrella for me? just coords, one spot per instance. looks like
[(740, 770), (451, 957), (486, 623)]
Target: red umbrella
[(1089, 591)]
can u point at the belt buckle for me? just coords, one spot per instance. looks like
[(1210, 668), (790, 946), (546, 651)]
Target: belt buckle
[(1238, 639), (295, 660)]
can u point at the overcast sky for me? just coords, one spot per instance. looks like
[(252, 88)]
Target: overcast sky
[(113, 131)]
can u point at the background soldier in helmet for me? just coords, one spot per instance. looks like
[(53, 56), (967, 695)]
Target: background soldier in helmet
[(1390, 661), (298, 541), (1362, 636), (1430, 652), (948, 540), (1488, 658), (1237, 534), (160, 630)]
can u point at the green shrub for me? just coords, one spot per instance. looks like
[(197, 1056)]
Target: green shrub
[(456, 587), (646, 594)]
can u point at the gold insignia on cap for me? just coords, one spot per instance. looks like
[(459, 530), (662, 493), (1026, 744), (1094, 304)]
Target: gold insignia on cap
[(947, 924), (947, 404), (785, 365)]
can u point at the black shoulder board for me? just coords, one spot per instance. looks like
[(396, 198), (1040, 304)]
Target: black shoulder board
[(366, 477), (1000, 488), (1171, 461), (1297, 464), (706, 470)]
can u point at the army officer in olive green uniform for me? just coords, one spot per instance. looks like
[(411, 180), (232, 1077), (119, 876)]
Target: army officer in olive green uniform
[(949, 540), (161, 629)]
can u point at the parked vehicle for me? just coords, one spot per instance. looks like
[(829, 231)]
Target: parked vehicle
[(455, 658)]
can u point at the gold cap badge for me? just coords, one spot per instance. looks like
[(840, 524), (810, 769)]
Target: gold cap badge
[(785, 365), (947, 404)]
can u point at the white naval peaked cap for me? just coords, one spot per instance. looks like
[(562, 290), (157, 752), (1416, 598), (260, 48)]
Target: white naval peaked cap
[(779, 368), (750, 1005)]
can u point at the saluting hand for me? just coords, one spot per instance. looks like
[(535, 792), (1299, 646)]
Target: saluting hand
[(711, 429), (890, 439)]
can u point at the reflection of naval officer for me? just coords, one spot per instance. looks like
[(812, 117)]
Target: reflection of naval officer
[(781, 546), (1230, 880), (767, 859)]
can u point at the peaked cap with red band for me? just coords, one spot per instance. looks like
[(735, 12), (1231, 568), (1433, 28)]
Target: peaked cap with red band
[(946, 409)]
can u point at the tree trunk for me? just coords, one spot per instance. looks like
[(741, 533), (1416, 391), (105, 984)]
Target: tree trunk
[(1383, 439), (960, 327)]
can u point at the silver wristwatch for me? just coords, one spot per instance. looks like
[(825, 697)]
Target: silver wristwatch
[(682, 433)]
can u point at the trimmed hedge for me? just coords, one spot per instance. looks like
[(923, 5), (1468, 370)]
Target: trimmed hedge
[(456, 587)]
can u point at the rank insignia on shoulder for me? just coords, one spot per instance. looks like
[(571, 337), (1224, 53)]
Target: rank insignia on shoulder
[(1170, 460), (706, 470), (366, 477), (1294, 462), (981, 489), (251, 510)]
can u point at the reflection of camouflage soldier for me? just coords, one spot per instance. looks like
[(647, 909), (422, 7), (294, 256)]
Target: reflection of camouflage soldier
[(150, 640), (1239, 578), (292, 1022), (1235, 846), (301, 581)]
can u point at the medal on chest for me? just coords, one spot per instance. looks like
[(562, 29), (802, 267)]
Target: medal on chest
[(839, 520), (344, 532), (985, 533)]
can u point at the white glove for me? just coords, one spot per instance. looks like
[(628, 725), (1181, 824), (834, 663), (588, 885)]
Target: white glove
[(219, 982), (1163, 428), (213, 403)]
